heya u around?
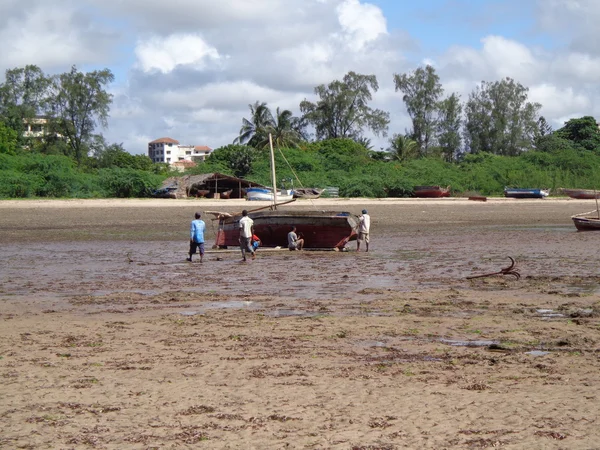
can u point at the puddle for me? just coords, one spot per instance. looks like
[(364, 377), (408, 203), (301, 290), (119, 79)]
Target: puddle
[(291, 313), (537, 353), (459, 343), (371, 344), (232, 304), (548, 313)]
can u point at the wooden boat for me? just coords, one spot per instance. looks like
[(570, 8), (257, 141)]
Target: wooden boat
[(585, 222), (431, 191), (201, 193), (581, 194), (266, 194), (321, 229), (478, 198), (526, 193), (307, 192)]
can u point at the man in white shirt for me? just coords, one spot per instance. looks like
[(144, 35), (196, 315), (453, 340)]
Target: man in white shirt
[(364, 224), (246, 232)]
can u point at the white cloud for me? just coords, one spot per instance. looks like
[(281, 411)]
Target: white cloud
[(362, 23), (165, 54)]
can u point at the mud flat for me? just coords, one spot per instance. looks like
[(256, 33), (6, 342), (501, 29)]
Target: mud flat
[(110, 339)]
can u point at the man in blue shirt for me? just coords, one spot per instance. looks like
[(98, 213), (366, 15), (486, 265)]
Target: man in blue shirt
[(197, 237)]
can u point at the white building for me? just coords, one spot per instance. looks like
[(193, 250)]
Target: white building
[(168, 150)]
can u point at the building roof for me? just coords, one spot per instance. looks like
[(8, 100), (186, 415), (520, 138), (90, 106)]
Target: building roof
[(203, 148), (165, 140)]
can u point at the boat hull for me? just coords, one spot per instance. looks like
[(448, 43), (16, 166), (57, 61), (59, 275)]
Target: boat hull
[(431, 192), (586, 223), (526, 193), (307, 193), (322, 229), (581, 194), (266, 195)]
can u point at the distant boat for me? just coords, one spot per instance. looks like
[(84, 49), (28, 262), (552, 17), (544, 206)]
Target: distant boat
[(581, 194), (431, 191), (307, 193), (526, 193), (584, 222), (266, 194)]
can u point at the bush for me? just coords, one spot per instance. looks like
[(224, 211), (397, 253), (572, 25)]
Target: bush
[(127, 183)]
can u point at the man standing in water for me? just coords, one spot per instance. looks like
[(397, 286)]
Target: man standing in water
[(197, 237), (364, 224), (246, 232)]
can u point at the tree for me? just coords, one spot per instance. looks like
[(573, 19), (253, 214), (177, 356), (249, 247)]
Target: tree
[(79, 103), (8, 140), (343, 111), (254, 130), (236, 159), (499, 119), (422, 91), (23, 96), (402, 148), (583, 131), (449, 127)]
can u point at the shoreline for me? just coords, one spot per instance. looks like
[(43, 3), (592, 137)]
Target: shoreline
[(172, 203)]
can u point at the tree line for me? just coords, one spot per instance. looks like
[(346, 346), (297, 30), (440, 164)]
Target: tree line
[(496, 118)]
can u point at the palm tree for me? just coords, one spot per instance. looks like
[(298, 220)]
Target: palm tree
[(283, 130), (402, 148), (254, 131)]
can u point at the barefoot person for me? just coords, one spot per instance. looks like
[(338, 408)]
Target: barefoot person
[(197, 237), (294, 242), (364, 224), (246, 232)]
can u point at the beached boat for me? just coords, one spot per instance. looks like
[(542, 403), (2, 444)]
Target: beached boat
[(320, 229), (526, 193), (266, 194), (431, 191), (307, 192), (587, 222), (581, 194)]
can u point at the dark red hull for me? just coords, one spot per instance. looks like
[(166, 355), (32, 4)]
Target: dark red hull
[(431, 192), (323, 229)]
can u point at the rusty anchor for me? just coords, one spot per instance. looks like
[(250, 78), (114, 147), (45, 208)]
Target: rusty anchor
[(510, 270)]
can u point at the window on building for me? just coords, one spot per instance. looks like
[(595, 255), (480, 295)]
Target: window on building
[(168, 152), (168, 159)]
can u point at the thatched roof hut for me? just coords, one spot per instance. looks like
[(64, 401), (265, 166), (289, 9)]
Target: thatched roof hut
[(211, 185)]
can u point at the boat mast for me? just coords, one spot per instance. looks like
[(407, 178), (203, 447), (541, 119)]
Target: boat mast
[(273, 179)]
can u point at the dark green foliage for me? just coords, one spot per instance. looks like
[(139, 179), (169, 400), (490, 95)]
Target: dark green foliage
[(583, 132), (8, 140), (123, 183), (231, 159)]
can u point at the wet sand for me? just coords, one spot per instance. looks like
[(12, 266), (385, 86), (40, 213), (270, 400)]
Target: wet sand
[(110, 339)]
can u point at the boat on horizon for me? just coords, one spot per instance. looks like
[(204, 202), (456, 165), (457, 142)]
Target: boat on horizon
[(431, 191), (526, 193), (581, 194)]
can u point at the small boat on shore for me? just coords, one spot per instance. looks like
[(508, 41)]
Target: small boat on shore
[(526, 193), (585, 222), (581, 194), (307, 192), (266, 194), (431, 191)]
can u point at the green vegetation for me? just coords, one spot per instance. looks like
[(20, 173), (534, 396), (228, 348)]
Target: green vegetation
[(495, 139)]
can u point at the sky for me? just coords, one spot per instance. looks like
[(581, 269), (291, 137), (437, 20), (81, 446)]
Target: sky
[(189, 69)]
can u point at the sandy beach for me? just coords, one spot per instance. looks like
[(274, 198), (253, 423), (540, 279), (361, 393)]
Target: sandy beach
[(109, 339)]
